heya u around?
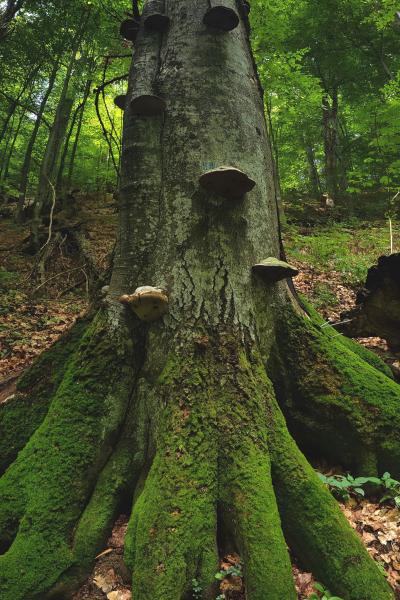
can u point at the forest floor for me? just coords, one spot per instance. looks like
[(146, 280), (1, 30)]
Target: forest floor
[(37, 305)]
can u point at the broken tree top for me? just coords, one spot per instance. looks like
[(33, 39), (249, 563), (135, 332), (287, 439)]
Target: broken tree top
[(272, 269), (147, 302), (228, 182), (222, 17), (120, 101)]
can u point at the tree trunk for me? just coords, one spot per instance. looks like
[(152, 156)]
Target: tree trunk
[(15, 102), (8, 14), (77, 135), (5, 167), (315, 184), (331, 142), (180, 416), (60, 173), (24, 177), (53, 148)]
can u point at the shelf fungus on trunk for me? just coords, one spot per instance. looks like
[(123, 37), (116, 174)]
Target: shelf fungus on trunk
[(156, 19), (228, 182), (222, 15), (120, 101), (145, 101), (147, 105), (148, 303), (129, 29), (272, 270)]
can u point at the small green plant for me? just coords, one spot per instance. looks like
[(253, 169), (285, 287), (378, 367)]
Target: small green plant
[(196, 589), (220, 597), (344, 486), (391, 489), (322, 593), (324, 296), (233, 570)]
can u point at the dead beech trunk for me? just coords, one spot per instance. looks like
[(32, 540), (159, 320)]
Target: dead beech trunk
[(191, 419)]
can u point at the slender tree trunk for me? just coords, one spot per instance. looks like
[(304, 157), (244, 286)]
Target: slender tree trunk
[(14, 103), (8, 14), (7, 142), (24, 176), (182, 417), (77, 135), (331, 142), (60, 173), (53, 148), (315, 184), (6, 165)]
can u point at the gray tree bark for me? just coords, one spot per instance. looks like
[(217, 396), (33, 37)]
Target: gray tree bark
[(24, 176), (331, 142), (49, 162)]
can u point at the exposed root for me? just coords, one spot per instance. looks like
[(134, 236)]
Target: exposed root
[(55, 474), (314, 526), (171, 535), (195, 440), (336, 404), (22, 414), (174, 520), (250, 510)]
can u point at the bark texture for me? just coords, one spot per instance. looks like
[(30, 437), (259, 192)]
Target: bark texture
[(180, 416)]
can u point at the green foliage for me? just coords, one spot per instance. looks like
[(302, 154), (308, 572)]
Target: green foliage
[(349, 250), (322, 593), (306, 50), (196, 589), (344, 486), (235, 570)]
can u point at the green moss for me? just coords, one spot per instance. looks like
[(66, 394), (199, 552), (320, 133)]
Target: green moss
[(21, 415), (212, 452), (314, 525), (171, 535), (336, 403), (370, 357), (53, 476)]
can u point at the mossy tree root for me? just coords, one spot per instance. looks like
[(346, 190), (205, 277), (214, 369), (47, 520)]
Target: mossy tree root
[(217, 424), (22, 414), (336, 401), (54, 482), (314, 526)]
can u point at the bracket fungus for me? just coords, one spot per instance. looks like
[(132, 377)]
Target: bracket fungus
[(129, 29), (147, 105), (222, 15), (156, 19), (272, 269), (120, 101), (148, 303), (228, 182)]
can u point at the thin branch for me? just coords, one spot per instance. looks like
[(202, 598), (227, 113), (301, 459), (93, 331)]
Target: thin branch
[(98, 91), (57, 275), (53, 203), (25, 107)]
